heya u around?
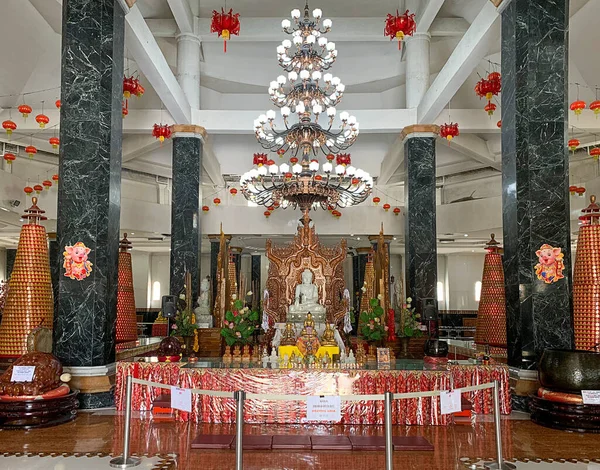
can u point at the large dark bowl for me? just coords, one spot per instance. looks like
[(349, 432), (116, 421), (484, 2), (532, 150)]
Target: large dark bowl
[(436, 348), (569, 371)]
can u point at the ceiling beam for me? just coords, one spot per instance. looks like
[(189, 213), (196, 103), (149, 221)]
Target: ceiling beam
[(210, 164), (392, 161), (151, 61), (183, 15), (476, 148), (471, 49), (427, 14), (137, 145), (344, 29)]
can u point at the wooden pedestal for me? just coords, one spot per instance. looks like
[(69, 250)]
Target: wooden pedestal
[(209, 342)]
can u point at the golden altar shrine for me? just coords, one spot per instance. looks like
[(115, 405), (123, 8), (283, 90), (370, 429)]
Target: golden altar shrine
[(408, 376)]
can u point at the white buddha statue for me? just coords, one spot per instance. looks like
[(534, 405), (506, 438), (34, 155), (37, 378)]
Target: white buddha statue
[(203, 315), (306, 299)]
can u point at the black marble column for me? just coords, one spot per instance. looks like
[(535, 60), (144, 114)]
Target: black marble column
[(535, 171), (185, 206), (214, 257), (359, 263), (55, 256), (10, 261), (419, 201), (89, 196), (256, 276)]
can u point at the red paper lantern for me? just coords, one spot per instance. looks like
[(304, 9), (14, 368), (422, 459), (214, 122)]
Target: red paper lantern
[(490, 108), (318, 177), (280, 152), (130, 86), (28, 190), (580, 191), (355, 181), (499, 124), (58, 104), (54, 141), (488, 87), (343, 159), (267, 214), (330, 157), (233, 191), (271, 208), (259, 159), (9, 126), (577, 107), (9, 158), (386, 207), (288, 175), (495, 76), (449, 130), (396, 211), (161, 132), (275, 204), (573, 190), (330, 208), (595, 152), (225, 24), (270, 162), (293, 160), (55, 178), (42, 120), (376, 200), (30, 150), (38, 188), (217, 201), (396, 27), (25, 110), (205, 208), (595, 106), (140, 90), (125, 109), (573, 144), (47, 184), (337, 214)]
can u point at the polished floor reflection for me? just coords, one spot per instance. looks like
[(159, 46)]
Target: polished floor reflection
[(103, 432)]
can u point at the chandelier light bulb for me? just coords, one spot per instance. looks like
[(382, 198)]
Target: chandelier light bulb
[(300, 108), (281, 79), (297, 169), (316, 75), (257, 124), (271, 114), (322, 41), (262, 118), (273, 85), (327, 167), (285, 111), (343, 116), (310, 39), (327, 23), (280, 50), (350, 171), (340, 170), (352, 120), (273, 169), (335, 81), (317, 109), (297, 40), (327, 77), (286, 43), (330, 46), (284, 168), (262, 171), (331, 111), (341, 88), (313, 166), (360, 174), (304, 74), (292, 76), (295, 13), (317, 13), (285, 24)]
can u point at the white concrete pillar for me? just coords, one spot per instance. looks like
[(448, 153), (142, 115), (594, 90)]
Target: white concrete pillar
[(417, 68), (188, 67)]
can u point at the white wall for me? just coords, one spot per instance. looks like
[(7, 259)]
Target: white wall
[(140, 265), (2, 264), (159, 272), (463, 271), (442, 277)]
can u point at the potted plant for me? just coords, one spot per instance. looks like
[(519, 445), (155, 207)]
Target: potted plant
[(372, 326), (185, 326), (409, 326), (239, 324)]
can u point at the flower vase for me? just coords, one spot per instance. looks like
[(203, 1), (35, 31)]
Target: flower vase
[(188, 341), (404, 343)]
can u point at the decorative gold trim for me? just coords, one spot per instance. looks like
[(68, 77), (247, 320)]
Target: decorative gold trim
[(387, 238), (235, 250), (433, 128), (496, 3), (189, 128), (363, 250), (130, 3), (217, 237)]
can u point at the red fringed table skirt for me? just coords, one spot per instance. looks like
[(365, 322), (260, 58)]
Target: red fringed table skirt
[(312, 382)]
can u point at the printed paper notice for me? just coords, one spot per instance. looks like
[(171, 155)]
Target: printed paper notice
[(181, 399), (323, 408), (450, 401), (22, 373), (591, 397)]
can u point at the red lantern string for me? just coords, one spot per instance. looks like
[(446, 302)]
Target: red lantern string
[(399, 26), (225, 24), (161, 132)]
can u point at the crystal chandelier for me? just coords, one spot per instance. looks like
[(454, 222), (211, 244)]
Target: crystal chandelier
[(311, 95)]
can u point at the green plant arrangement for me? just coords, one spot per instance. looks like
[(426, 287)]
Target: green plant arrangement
[(410, 321), (185, 323), (372, 327), (239, 324)]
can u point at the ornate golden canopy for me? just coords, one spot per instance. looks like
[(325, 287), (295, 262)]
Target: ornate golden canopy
[(305, 252)]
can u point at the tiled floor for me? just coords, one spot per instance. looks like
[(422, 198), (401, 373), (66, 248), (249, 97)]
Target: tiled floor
[(102, 432)]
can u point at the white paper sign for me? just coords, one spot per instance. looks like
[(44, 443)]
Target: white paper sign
[(181, 399), (321, 408), (22, 373), (450, 401), (591, 397)]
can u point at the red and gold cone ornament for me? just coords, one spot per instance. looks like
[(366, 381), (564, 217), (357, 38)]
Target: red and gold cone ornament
[(399, 26), (586, 279), (449, 130), (491, 317), (161, 132), (126, 316), (225, 24), (9, 126), (29, 303)]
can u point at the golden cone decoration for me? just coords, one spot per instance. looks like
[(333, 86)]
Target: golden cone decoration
[(29, 303), (491, 316), (586, 280), (126, 316)]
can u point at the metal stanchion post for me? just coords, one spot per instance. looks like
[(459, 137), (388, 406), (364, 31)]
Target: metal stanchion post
[(125, 460), (239, 425), (500, 464), (389, 447)]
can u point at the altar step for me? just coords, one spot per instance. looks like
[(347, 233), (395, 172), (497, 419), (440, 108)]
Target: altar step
[(296, 442)]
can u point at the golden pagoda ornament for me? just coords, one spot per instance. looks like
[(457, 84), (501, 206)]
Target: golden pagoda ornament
[(126, 316), (29, 304), (491, 316), (586, 280)]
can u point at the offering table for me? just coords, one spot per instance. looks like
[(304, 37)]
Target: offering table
[(404, 376)]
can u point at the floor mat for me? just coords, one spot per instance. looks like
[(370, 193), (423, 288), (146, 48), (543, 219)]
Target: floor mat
[(66, 461)]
